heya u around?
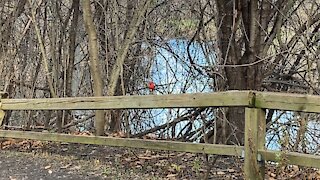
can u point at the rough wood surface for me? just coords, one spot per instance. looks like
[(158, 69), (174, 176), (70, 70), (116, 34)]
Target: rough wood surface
[(218, 149), (287, 101), (252, 168), (265, 100), (231, 98), (301, 159)]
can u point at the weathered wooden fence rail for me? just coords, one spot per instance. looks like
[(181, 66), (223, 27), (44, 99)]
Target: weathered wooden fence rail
[(223, 99), (253, 151)]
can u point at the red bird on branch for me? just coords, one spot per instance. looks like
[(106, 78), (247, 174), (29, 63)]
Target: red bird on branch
[(151, 86)]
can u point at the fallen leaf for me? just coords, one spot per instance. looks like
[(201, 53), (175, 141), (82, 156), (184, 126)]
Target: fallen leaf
[(273, 175), (118, 155), (148, 153), (145, 157), (66, 166), (121, 134), (295, 168), (97, 161), (140, 162), (171, 175), (312, 176), (76, 167), (150, 136), (181, 154), (149, 168), (12, 178), (159, 164)]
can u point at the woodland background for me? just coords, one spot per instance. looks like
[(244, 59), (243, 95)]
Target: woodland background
[(60, 48)]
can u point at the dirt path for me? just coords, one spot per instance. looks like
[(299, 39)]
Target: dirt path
[(17, 165), (62, 162)]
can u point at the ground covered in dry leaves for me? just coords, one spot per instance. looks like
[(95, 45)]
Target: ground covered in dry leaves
[(22, 159)]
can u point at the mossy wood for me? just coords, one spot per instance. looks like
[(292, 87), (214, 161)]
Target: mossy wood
[(301, 159), (286, 101), (254, 121), (126, 142), (237, 98)]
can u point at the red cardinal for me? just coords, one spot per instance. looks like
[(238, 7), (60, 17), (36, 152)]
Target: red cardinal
[(151, 86)]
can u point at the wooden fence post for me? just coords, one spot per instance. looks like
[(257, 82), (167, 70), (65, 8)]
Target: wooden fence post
[(255, 130), (2, 113)]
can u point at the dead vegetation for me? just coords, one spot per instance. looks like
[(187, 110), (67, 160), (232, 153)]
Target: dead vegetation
[(35, 159)]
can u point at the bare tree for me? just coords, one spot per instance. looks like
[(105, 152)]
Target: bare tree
[(94, 63), (247, 31), (183, 46)]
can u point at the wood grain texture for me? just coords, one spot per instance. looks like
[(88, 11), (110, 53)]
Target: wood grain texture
[(126, 142), (221, 99), (265, 100), (301, 159), (253, 118), (287, 101)]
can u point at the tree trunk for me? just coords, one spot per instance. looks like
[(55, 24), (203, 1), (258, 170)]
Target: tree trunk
[(241, 71), (72, 49), (121, 56), (94, 63), (132, 29)]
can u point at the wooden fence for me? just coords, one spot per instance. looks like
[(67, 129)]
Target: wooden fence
[(255, 103)]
